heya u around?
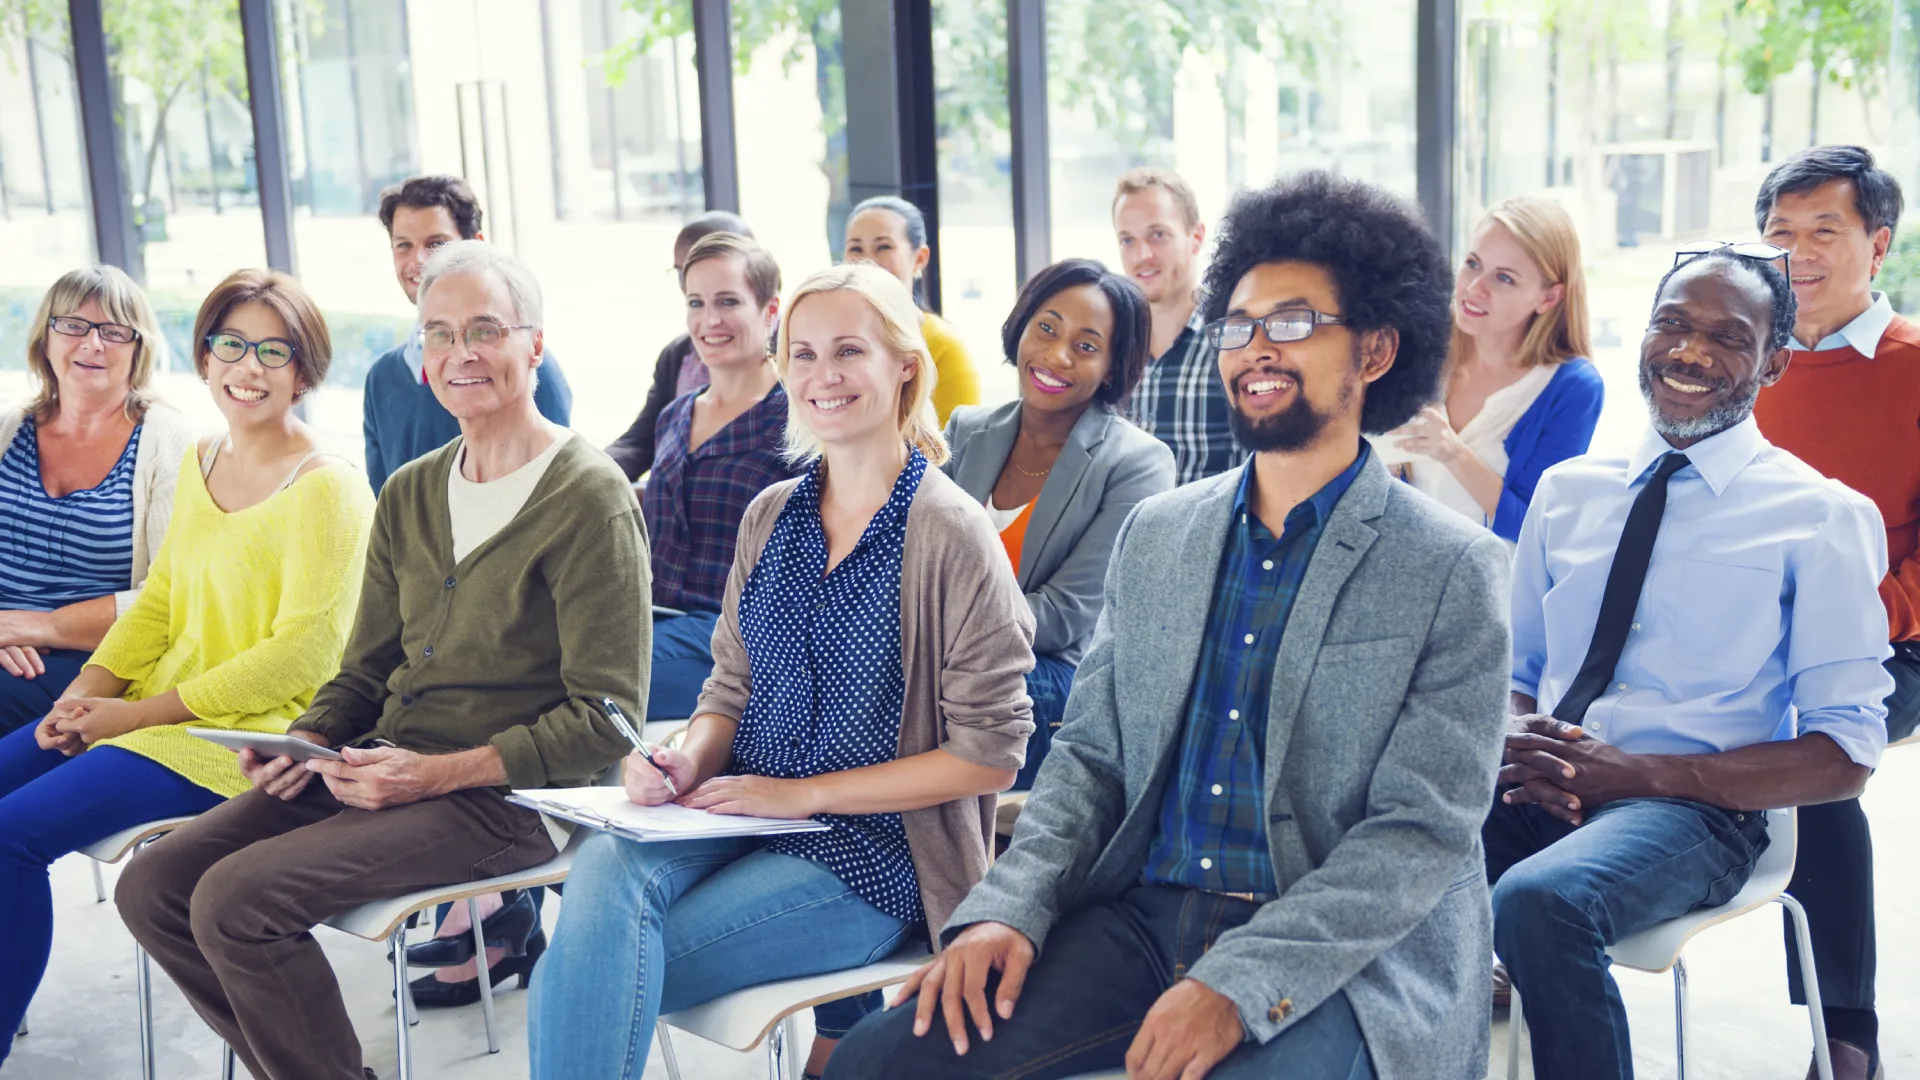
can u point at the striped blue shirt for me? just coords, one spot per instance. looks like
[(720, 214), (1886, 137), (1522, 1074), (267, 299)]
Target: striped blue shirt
[(1213, 826), (55, 552)]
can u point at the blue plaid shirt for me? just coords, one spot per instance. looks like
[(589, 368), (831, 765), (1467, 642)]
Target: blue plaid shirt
[(1213, 827), (1181, 402)]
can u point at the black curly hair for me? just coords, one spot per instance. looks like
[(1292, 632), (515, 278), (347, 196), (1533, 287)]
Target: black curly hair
[(1389, 272), (1786, 308), (1132, 321)]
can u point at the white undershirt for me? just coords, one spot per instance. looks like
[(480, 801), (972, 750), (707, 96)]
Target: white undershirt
[(1485, 435), (478, 510), (1002, 518)]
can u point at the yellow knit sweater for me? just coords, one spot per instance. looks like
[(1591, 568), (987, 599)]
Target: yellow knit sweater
[(245, 614), (956, 382)]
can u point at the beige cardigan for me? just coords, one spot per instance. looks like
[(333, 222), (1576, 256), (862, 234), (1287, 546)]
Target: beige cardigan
[(966, 637), (164, 437)]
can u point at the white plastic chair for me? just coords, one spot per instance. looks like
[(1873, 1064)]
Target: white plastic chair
[(112, 849), (743, 1019), (1656, 949)]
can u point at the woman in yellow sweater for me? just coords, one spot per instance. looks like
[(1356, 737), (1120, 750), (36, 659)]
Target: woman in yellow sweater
[(244, 615), (891, 233)]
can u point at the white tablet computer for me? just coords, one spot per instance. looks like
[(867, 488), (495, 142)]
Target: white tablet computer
[(265, 744)]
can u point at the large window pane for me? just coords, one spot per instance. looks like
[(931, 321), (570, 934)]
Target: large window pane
[(45, 228), (1230, 93), (1654, 123), (790, 114), (977, 283)]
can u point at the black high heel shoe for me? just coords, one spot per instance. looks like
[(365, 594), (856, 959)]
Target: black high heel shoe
[(507, 928), (431, 993)]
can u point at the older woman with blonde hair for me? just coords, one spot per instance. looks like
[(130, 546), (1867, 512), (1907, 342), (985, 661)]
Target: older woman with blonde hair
[(869, 670), (1521, 394), (87, 471)]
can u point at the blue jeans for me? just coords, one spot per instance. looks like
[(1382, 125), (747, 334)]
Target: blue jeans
[(1562, 894), (52, 805), (1048, 685), (26, 701), (659, 927), (682, 660), (1084, 999)]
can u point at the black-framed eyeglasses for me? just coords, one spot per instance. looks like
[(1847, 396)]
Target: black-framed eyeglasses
[(1754, 250), (112, 333), (1287, 324), (480, 335), (230, 348)]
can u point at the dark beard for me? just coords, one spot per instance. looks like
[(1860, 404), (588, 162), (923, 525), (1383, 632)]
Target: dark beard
[(1296, 427)]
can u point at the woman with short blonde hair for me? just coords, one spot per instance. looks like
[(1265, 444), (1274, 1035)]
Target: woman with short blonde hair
[(869, 673), (1521, 394), (87, 473)]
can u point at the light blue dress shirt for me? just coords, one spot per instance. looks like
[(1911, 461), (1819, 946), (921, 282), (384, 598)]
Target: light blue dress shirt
[(1761, 598), (1863, 333)]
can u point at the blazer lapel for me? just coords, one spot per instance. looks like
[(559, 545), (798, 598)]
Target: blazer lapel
[(1062, 486), (1343, 543), (1170, 656), (987, 451)]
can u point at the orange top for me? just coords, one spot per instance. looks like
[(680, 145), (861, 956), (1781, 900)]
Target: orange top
[(1015, 535), (1857, 420)]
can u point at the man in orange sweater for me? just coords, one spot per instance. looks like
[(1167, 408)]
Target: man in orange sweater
[(1849, 405)]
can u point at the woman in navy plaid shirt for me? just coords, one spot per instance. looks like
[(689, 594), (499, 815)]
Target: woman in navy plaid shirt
[(717, 448)]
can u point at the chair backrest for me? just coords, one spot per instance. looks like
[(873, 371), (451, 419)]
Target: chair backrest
[(1783, 838)]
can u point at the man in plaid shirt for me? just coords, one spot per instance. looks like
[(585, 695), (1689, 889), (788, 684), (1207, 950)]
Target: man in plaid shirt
[(1180, 399)]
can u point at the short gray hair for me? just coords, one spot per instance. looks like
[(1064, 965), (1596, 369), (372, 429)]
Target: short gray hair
[(481, 258)]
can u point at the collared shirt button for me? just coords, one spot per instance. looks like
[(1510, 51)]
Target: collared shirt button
[(1206, 864), (1218, 790), (1268, 565), (1249, 639), (428, 651), (1233, 714), (1622, 687), (1636, 626)]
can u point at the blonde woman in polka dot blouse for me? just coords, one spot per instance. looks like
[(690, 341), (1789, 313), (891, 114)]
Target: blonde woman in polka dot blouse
[(869, 672)]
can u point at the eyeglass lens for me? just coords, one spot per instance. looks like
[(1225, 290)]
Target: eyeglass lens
[(230, 348), (112, 333)]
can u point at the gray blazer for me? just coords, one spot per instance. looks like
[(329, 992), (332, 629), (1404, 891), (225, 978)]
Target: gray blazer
[(1383, 737), (1107, 466)]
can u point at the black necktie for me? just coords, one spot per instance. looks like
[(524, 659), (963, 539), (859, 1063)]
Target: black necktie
[(1622, 595)]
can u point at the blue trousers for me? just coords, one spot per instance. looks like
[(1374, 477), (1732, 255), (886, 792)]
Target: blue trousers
[(1048, 685), (1086, 995), (682, 660), (52, 805), (27, 701), (653, 928), (1562, 894)]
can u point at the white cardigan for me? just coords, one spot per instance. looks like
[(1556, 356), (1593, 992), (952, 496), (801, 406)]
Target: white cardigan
[(164, 439)]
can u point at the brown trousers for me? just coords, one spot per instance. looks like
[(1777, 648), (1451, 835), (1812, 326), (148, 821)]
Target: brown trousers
[(226, 906)]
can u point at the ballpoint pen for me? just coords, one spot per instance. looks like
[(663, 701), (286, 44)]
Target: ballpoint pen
[(639, 745)]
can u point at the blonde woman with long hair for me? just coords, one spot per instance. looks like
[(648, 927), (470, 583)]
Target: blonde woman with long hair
[(869, 673), (1521, 394)]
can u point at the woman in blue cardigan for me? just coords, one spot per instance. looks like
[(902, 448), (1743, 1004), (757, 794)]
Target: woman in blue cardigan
[(1521, 394)]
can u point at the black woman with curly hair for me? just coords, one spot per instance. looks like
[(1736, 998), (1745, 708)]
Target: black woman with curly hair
[(1175, 901)]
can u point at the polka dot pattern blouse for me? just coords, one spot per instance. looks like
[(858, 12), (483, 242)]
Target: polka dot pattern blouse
[(823, 651)]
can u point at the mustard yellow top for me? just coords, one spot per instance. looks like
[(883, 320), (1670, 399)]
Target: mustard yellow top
[(245, 614), (955, 383)]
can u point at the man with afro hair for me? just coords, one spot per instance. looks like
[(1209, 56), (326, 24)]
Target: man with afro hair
[(1254, 848)]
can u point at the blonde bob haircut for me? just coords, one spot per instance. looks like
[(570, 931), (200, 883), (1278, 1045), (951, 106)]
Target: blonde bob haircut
[(899, 335), (1545, 232), (124, 303)]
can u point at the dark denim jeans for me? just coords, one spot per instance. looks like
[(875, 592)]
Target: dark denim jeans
[(1562, 894), (1048, 684), (1103, 968)]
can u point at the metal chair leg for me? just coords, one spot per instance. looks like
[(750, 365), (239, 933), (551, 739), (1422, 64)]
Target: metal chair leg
[(1810, 981), (228, 1068), (777, 1053), (1680, 1016), (143, 994), (22, 1033), (99, 883), (666, 1052), (402, 1004), (1516, 1026), (485, 975)]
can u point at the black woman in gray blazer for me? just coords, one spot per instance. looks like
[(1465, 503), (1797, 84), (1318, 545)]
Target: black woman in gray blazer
[(1060, 468)]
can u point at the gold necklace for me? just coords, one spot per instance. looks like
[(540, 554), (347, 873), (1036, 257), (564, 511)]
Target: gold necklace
[(1024, 472)]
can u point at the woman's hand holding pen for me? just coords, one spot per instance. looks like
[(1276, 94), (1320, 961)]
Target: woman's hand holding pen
[(646, 787)]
